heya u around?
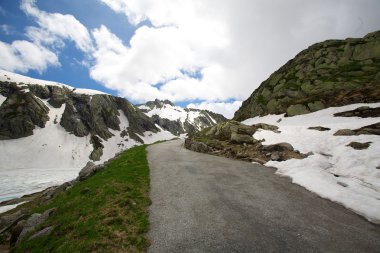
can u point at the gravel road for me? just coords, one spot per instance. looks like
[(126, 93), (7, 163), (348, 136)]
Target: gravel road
[(204, 203)]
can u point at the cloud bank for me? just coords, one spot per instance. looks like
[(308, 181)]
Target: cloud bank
[(215, 52), (231, 46)]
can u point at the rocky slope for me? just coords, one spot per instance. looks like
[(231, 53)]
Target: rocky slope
[(178, 120), (330, 73), (56, 124)]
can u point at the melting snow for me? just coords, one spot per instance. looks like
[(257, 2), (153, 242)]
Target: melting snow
[(4, 209), (335, 171), (2, 99)]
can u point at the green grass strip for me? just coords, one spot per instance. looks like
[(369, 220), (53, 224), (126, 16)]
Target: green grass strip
[(108, 212)]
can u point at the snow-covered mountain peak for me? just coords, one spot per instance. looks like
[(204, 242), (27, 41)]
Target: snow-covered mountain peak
[(179, 120)]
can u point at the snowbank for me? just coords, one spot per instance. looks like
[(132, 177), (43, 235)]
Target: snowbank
[(335, 171)]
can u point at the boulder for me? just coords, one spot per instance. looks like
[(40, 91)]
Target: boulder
[(345, 132), (43, 232), (359, 145), (297, 109), (89, 170), (33, 222), (279, 147), (200, 147), (316, 106), (266, 127), (7, 221), (241, 138)]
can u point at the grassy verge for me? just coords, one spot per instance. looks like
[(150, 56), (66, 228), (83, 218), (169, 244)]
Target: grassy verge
[(105, 213)]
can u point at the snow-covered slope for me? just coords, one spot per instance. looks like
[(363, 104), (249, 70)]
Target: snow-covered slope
[(335, 171), (178, 120), (7, 76), (79, 125)]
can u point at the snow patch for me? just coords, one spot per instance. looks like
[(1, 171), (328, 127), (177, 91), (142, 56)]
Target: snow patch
[(117, 142), (169, 112), (150, 137), (4, 209), (335, 171), (2, 99)]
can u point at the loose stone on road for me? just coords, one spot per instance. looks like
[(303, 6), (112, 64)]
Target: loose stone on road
[(204, 203)]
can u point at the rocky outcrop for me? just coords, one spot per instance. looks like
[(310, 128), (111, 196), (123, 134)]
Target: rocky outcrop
[(33, 222), (20, 113), (373, 129), (178, 120), (233, 139), (89, 170), (330, 73), (362, 112), (26, 107)]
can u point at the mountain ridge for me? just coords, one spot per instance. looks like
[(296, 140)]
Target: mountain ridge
[(178, 120), (84, 124)]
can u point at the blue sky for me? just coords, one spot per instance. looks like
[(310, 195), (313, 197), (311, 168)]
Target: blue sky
[(90, 13), (199, 53)]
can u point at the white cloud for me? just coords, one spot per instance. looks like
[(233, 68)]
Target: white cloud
[(23, 55), (6, 29), (235, 45), (54, 27), (45, 40), (225, 108)]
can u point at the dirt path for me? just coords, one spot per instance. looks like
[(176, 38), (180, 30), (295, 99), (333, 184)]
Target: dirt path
[(204, 203)]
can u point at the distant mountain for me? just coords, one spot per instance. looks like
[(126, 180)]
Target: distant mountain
[(51, 125), (330, 73), (178, 120)]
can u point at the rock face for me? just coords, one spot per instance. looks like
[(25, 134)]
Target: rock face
[(330, 73), (20, 112), (25, 107), (178, 120), (233, 139)]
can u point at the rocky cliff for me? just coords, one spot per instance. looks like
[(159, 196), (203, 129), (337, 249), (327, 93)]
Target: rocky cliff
[(178, 120), (330, 73), (93, 120)]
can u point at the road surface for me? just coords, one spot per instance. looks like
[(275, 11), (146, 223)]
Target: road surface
[(204, 203)]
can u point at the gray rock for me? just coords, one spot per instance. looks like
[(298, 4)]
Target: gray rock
[(266, 127), (316, 106), (89, 170), (345, 132), (319, 128), (7, 221), (16, 231), (359, 145), (33, 222), (44, 232), (241, 138), (200, 147), (20, 113), (280, 147), (54, 191), (297, 109)]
